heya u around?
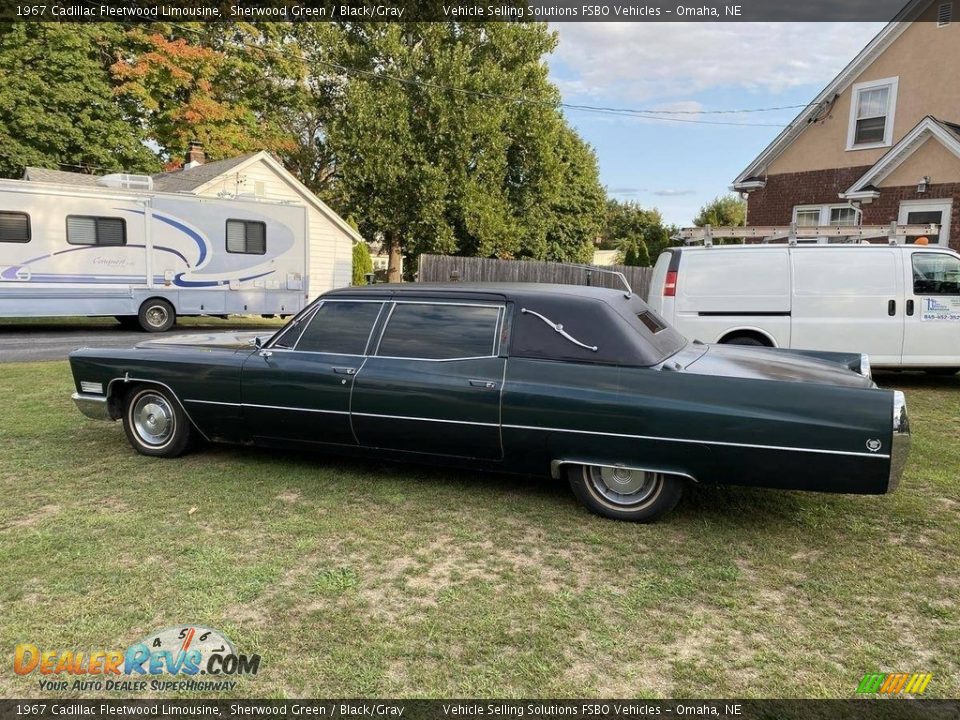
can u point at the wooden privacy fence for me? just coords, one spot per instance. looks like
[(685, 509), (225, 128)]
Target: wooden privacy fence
[(447, 268)]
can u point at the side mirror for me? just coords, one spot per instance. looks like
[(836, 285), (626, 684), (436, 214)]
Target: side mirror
[(257, 342)]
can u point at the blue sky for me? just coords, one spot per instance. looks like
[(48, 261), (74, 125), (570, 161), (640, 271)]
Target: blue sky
[(673, 166)]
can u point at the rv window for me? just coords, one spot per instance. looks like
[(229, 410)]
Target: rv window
[(85, 230), (14, 227), (247, 237)]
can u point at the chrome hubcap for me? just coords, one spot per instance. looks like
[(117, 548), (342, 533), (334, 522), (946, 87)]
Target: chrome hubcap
[(157, 315), (623, 486), (153, 419)]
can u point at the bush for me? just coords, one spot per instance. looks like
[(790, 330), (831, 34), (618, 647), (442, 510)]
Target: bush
[(362, 263)]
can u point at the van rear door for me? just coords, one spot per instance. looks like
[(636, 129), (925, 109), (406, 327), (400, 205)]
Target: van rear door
[(848, 299)]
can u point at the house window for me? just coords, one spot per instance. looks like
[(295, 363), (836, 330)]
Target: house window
[(814, 215), (806, 217), (843, 215), (14, 227), (871, 114), (88, 230), (944, 14), (247, 237)]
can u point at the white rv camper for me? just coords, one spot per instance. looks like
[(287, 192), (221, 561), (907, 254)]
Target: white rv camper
[(120, 249)]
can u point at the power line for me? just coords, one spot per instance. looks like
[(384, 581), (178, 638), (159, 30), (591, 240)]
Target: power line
[(651, 114)]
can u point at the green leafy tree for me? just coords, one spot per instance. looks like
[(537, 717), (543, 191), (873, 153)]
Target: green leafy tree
[(724, 210), (430, 169), (627, 223), (57, 105), (634, 252), (362, 263)]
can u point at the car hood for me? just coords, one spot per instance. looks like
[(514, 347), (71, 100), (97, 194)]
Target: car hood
[(774, 364), (212, 341)]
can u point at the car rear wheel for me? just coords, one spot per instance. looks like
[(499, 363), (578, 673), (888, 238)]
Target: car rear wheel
[(157, 315), (155, 424), (623, 493), (745, 340)]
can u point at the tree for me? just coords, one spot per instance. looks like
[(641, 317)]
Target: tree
[(722, 210), (635, 252), (433, 163), (190, 87), (56, 101), (362, 263), (627, 224)]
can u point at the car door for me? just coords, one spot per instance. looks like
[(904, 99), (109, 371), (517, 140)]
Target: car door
[(434, 383), (932, 317), (848, 299), (299, 387)]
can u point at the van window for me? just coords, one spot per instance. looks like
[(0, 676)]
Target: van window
[(936, 274), (89, 230), (857, 271), (14, 227), (440, 332), (340, 327), (246, 237)]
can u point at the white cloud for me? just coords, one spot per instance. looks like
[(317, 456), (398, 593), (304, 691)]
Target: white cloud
[(673, 193), (642, 61)]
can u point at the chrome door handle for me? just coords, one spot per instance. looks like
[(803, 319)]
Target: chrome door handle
[(486, 384), (345, 371), (265, 353)]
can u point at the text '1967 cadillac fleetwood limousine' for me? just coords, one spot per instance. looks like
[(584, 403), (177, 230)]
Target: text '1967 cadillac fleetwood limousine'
[(580, 382)]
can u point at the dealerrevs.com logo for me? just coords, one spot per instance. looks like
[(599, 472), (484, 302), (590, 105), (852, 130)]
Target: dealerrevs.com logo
[(181, 658), (894, 683)]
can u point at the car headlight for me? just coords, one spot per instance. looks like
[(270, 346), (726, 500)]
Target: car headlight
[(865, 369)]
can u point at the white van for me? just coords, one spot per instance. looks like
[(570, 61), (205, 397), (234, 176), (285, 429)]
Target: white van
[(900, 304)]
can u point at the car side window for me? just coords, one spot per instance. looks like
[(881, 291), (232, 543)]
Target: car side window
[(436, 331), (340, 327), (936, 274)]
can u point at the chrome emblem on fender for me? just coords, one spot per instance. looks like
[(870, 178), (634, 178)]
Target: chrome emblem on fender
[(873, 445)]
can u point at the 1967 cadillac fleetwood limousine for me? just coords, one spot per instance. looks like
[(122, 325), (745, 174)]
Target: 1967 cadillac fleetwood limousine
[(582, 382)]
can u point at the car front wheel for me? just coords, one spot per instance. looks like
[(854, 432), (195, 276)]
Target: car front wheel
[(155, 424), (623, 493)]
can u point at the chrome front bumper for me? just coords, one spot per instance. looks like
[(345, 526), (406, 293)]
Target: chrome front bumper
[(900, 447), (93, 406)]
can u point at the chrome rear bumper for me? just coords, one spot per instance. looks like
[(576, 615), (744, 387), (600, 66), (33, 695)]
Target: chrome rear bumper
[(900, 447), (93, 406)]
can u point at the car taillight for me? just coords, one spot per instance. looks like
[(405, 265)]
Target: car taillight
[(670, 284)]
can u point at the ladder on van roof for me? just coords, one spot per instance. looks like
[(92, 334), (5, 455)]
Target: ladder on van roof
[(792, 233)]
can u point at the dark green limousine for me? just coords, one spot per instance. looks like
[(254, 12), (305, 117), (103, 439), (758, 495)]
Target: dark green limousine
[(583, 382)]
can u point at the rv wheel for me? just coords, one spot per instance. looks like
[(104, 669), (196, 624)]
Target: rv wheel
[(157, 315)]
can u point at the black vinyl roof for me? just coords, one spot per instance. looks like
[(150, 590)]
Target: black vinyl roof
[(600, 317)]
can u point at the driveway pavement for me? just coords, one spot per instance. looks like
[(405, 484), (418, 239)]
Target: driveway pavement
[(25, 343)]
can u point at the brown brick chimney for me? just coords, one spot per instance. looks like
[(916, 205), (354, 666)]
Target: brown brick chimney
[(195, 155)]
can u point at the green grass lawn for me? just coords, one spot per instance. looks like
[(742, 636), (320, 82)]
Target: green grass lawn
[(367, 579)]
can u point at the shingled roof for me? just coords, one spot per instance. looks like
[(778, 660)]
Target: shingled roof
[(191, 178), (186, 180), (59, 177)]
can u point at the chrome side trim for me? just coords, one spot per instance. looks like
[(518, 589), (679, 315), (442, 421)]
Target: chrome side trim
[(127, 379), (268, 407), (555, 466), (426, 419), (93, 406), (698, 442), (559, 329)]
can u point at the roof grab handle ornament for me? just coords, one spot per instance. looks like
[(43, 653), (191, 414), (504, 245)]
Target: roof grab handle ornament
[(628, 291), (559, 329)]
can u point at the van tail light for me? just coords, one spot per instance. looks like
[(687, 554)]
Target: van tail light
[(670, 284)]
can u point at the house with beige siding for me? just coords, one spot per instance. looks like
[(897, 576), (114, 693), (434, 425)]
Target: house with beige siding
[(254, 176), (880, 143)]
